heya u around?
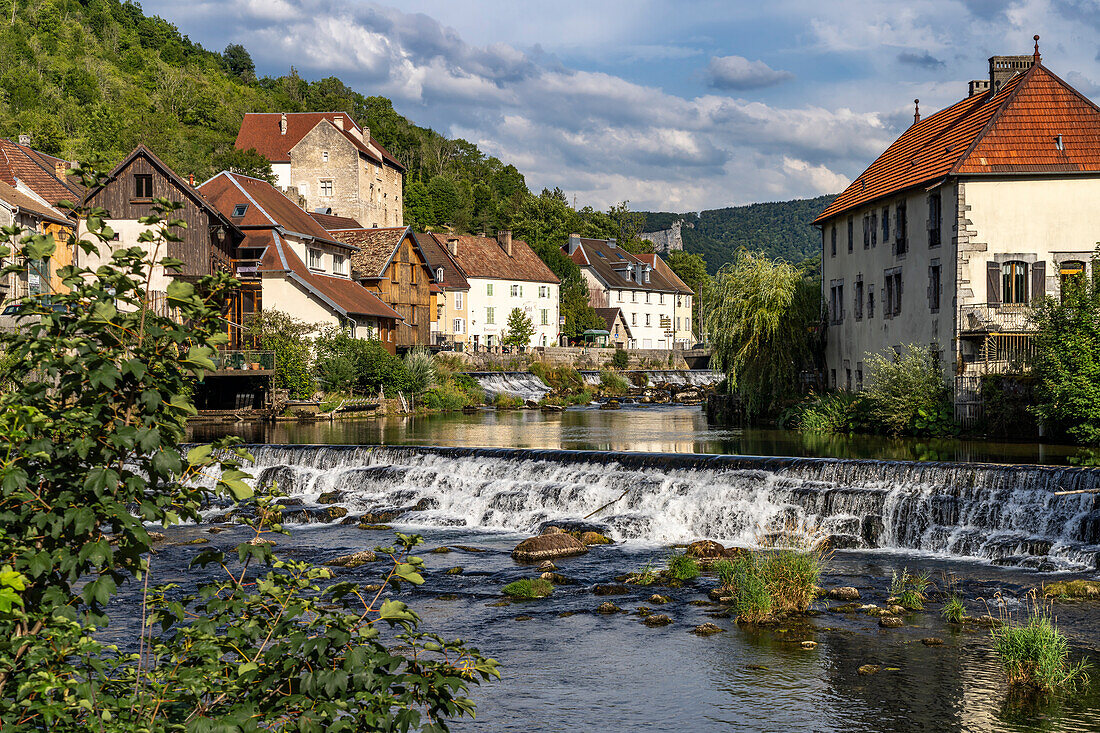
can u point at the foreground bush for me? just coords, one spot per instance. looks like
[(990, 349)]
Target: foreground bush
[(683, 568), (908, 590), (771, 583), (832, 414), (90, 451), (1036, 655)]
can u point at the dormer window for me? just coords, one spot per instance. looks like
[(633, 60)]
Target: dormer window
[(239, 210), (316, 258), (339, 264), (439, 274)]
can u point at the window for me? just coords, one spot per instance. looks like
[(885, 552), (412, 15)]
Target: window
[(901, 230), (1071, 275), (439, 312), (489, 289), (326, 187), (439, 274), (647, 296), (544, 291), (633, 319), (866, 231), (661, 297), (324, 156), (859, 376), (836, 301), (633, 296), (859, 298), (832, 376), (544, 317), (934, 286), (516, 291), (1014, 283), (239, 210), (460, 326), (143, 186), (490, 315), (934, 220), (316, 259), (850, 233), (647, 319), (885, 225), (458, 301), (832, 238), (848, 380), (891, 297), (874, 228), (339, 264), (870, 302)]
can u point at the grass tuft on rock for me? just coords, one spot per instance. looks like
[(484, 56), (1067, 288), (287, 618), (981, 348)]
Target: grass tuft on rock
[(954, 610), (768, 584), (1072, 589), (683, 568), (1035, 655), (528, 589), (909, 589)]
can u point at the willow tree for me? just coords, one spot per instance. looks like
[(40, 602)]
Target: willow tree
[(759, 315)]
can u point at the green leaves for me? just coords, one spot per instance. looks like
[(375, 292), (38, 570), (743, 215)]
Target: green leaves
[(231, 481)]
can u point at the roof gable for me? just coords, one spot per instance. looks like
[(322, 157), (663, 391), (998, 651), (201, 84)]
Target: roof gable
[(375, 248), (260, 130), (611, 265), (439, 259), (36, 171)]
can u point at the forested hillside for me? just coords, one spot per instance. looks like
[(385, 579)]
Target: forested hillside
[(781, 229)]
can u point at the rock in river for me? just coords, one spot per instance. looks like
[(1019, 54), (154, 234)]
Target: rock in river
[(657, 619), (707, 629), (845, 593), (868, 669), (890, 622), (352, 561), (548, 547)]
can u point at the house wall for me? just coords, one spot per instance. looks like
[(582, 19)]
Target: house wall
[(283, 294), (309, 168), (453, 304), (681, 320), (283, 174), (850, 339), (636, 310), (483, 333), (381, 204), (406, 287)]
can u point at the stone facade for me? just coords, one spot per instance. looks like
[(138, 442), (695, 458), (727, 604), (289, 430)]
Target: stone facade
[(324, 169)]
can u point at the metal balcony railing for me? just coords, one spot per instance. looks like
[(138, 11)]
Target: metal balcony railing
[(985, 318), (244, 360)]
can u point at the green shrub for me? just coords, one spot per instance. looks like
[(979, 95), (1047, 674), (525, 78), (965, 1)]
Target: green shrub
[(419, 370), (831, 414), (645, 576), (288, 337), (613, 383), (505, 401), (562, 378), (908, 394), (620, 359), (1036, 655), (447, 396), (954, 610), (528, 589), (683, 568), (381, 370), (909, 590), (770, 583)]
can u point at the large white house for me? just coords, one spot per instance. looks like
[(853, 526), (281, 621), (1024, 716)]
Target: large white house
[(655, 303), (969, 217), (500, 275)]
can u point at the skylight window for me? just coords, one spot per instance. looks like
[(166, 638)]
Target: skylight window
[(240, 209)]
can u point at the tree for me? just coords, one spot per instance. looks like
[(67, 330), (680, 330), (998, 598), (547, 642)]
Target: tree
[(1067, 359), (245, 162), (288, 337), (239, 62), (91, 449), (908, 394), (520, 329), (443, 193), (418, 206), (758, 315)]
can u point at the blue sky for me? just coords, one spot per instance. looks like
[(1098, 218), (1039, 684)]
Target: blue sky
[(674, 106)]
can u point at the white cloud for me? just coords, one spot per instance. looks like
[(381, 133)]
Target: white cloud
[(737, 72)]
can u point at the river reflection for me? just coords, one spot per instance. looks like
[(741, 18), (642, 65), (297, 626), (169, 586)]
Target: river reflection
[(666, 429)]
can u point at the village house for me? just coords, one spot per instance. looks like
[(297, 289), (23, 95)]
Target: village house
[(44, 179), (288, 262), (331, 162), (452, 294), (207, 245), (38, 277), (655, 304), (389, 262), (617, 329), (973, 214), (503, 274)]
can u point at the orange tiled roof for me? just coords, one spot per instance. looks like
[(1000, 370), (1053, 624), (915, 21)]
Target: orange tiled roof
[(1012, 131)]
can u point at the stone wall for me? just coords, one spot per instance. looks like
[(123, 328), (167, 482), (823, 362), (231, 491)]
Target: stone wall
[(309, 168), (577, 357)]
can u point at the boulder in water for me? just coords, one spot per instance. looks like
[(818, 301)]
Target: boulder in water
[(868, 669), (593, 538), (705, 549), (352, 561), (707, 629), (1089, 589), (330, 497), (547, 567), (548, 547), (610, 589), (607, 607), (844, 593), (656, 619), (890, 622)]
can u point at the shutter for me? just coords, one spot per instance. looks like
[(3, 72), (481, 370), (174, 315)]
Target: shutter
[(931, 284), (993, 283), (1038, 281)]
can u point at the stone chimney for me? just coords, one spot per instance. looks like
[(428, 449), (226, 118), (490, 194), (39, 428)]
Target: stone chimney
[(612, 243), (282, 124), (504, 239), (978, 86), (366, 134), (574, 243), (24, 139), (61, 168), (1003, 68), (452, 246), (338, 120)]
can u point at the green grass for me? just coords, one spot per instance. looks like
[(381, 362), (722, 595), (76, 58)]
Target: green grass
[(768, 584), (1036, 655), (909, 590), (954, 611), (504, 401), (683, 568), (613, 383), (527, 589), (645, 576)]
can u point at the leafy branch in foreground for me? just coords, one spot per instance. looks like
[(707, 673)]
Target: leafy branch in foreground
[(92, 423)]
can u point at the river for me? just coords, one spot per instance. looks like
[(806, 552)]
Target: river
[(994, 532)]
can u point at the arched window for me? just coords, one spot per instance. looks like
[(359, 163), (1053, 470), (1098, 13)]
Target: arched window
[(1071, 274), (1014, 283)]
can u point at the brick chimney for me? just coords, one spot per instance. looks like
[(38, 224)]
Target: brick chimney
[(504, 239), (24, 139), (452, 246), (574, 243), (978, 86), (282, 124)]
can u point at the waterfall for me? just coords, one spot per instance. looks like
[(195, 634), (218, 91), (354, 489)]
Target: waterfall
[(677, 377), (1004, 514), (519, 384)]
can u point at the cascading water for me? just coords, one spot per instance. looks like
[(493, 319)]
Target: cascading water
[(677, 377), (1005, 514), (517, 384)]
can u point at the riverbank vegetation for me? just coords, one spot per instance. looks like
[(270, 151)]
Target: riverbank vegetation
[(91, 450), (768, 584), (1034, 654)]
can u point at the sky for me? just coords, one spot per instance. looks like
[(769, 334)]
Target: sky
[(672, 105)]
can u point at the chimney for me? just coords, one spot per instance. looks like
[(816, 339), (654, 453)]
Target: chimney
[(61, 168), (282, 124), (338, 120), (191, 179), (1003, 68), (978, 86), (574, 243), (504, 239), (612, 243), (24, 139), (366, 134), (452, 246), (916, 111)]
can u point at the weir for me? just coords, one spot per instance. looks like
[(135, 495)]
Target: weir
[(1004, 514), (530, 387)]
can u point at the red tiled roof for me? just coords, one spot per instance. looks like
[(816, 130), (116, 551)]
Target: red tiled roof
[(438, 258), (341, 294), (260, 130), (483, 257), (31, 205), (37, 172), (612, 267), (334, 223), (265, 206), (1012, 131)]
